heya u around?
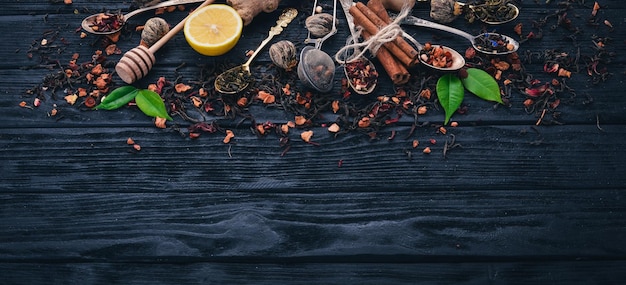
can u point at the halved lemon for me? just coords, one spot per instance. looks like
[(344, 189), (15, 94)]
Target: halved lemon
[(214, 29)]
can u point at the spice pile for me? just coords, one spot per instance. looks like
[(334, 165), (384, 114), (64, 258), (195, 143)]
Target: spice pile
[(84, 83)]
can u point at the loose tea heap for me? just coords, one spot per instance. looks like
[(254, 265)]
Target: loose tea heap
[(490, 11), (492, 43)]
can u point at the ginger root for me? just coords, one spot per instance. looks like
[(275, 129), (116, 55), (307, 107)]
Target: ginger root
[(248, 9), (396, 5)]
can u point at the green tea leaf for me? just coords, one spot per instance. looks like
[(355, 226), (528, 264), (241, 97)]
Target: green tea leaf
[(118, 98), (482, 84), (151, 104), (450, 93)]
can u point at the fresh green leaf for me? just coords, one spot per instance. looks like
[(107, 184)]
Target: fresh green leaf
[(151, 104), (482, 84), (118, 98), (450, 93)]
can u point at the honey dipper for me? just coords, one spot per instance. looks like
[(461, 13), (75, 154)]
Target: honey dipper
[(137, 62)]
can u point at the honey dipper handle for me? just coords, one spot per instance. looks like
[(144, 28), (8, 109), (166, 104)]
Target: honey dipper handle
[(156, 46)]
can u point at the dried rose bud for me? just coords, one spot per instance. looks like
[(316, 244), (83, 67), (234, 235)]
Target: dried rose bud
[(90, 102)]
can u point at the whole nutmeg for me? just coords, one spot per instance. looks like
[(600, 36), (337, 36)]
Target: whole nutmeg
[(284, 55), (319, 24), (154, 29)]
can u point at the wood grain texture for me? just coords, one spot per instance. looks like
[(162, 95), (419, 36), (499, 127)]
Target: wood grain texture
[(515, 204), (419, 226), (317, 273), (497, 157)]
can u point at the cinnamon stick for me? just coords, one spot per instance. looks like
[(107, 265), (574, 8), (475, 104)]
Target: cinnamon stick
[(363, 21), (396, 71), (379, 22), (379, 9)]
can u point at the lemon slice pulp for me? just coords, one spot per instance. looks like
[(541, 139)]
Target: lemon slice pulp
[(214, 29)]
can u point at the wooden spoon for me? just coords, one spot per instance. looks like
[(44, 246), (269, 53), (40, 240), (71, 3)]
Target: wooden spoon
[(137, 62)]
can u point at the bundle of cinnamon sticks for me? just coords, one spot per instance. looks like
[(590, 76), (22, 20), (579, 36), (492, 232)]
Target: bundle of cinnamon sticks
[(395, 56)]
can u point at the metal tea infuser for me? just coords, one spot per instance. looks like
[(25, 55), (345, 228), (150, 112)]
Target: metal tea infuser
[(316, 69)]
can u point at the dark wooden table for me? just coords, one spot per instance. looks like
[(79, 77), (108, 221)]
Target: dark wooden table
[(518, 202)]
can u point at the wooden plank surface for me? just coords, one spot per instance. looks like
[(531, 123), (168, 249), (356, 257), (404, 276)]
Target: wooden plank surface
[(515, 202), (447, 225), (93, 159), (321, 273)]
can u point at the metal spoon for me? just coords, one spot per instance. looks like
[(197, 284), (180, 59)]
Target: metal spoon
[(371, 68), (457, 60), (238, 78), (90, 21), (472, 8), (316, 68), (513, 45)]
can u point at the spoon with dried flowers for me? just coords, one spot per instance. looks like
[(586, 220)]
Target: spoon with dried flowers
[(110, 23)]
